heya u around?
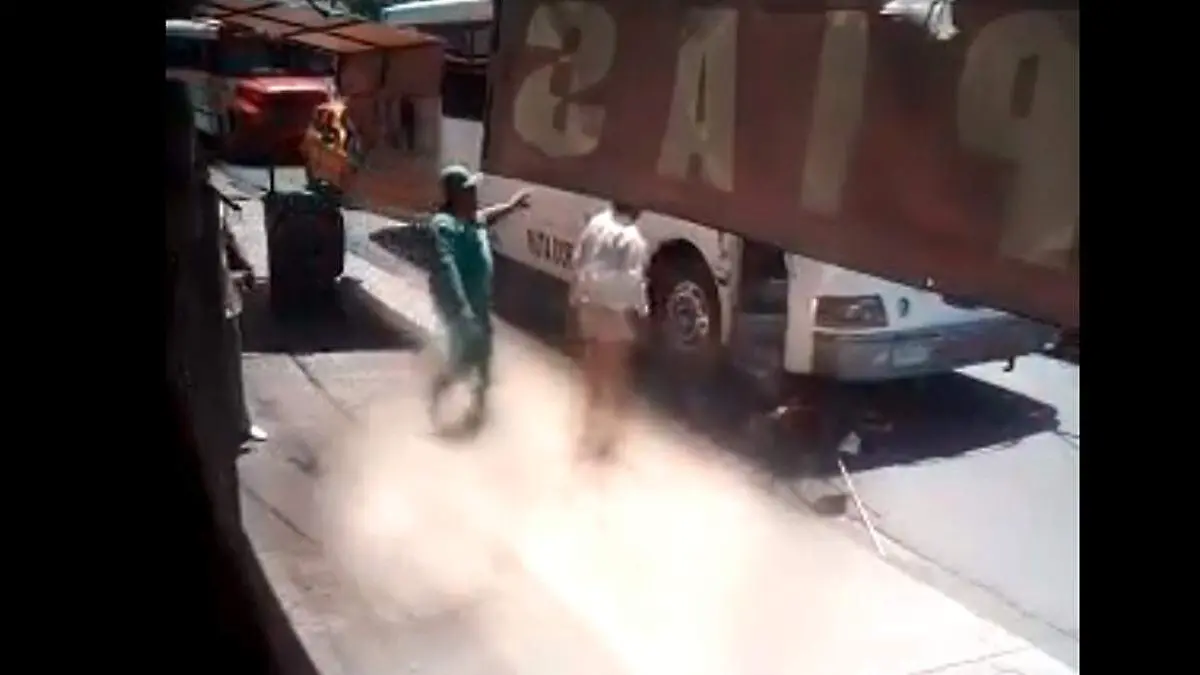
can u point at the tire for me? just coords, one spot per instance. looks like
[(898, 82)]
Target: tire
[(685, 311)]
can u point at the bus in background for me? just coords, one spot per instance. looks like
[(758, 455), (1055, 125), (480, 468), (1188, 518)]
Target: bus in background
[(717, 297), (250, 96), (466, 28)]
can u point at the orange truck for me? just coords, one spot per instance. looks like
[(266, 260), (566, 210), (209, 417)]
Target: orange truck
[(374, 133), (250, 95)]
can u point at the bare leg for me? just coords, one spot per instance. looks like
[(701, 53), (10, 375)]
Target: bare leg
[(452, 370), (607, 394), (619, 390), (593, 383), (481, 366)]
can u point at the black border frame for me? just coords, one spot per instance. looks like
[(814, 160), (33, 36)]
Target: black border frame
[(110, 569)]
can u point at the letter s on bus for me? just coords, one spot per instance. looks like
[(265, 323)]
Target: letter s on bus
[(1042, 211), (534, 105)]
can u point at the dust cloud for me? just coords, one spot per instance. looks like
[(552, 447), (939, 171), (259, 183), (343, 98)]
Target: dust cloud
[(649, 561)]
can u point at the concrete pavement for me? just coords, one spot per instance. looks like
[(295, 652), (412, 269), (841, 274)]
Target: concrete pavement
[(671, 561)]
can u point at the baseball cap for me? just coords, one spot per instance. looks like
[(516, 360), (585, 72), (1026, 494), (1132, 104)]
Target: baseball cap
[(457, 177)]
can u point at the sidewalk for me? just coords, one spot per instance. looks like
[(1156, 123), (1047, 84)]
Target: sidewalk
[(676, 561)]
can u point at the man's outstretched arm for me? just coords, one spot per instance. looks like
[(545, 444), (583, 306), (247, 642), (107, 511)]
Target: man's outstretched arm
[(493, 214)]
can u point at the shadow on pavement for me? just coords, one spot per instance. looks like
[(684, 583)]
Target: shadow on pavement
[(413, 244), (347, 326), (897, 422), (905, 422)]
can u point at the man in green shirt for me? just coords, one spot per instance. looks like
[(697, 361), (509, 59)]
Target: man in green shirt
[(461, 283)]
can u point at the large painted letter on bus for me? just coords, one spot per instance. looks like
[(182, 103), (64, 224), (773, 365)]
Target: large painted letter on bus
[(947, 161)]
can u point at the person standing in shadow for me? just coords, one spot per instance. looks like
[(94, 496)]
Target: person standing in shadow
[(237, 278)]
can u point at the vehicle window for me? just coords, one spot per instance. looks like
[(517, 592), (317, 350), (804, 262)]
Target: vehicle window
[(464, 93), (305, 61), (239, 57), (184, 52), (248, 56), (481, 42), (469, 42)]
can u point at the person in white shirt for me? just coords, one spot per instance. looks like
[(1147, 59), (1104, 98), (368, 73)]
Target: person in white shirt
[(608, 294)]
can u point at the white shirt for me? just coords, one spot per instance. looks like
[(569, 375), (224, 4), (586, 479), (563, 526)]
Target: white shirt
[(610, 264)]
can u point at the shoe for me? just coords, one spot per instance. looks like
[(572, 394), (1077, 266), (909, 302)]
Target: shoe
[(256, 434)]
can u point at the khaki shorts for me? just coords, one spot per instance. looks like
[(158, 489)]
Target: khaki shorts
[(604, 324)]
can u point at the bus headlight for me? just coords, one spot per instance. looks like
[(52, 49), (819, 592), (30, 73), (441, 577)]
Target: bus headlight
[(857, 311)]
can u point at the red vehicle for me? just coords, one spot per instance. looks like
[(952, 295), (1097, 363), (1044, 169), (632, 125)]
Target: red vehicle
[(250, 96)]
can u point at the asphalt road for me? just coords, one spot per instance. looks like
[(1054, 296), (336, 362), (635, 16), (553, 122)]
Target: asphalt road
[(975, 475)]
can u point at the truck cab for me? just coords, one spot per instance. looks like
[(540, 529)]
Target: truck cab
[(250, 95)]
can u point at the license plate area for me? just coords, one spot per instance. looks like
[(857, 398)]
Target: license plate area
[(911, 354)]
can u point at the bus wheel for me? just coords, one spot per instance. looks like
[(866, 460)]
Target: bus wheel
[(685, 313)]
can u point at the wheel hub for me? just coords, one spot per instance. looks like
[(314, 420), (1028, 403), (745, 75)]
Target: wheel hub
[(688, 320)]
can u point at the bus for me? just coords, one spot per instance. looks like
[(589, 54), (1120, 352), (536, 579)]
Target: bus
[(716, 297), (466, 28), (249, 95)]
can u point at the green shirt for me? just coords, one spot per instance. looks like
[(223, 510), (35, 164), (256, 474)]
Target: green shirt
[(462, 273)]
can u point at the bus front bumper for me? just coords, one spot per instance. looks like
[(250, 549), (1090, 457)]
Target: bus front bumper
[(927, 351)]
